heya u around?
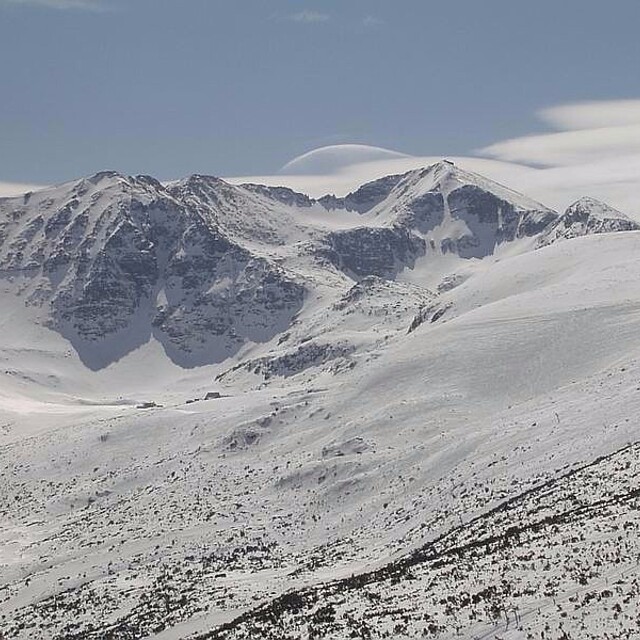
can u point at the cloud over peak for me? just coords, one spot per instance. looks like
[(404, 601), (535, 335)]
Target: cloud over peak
[(596, 152)]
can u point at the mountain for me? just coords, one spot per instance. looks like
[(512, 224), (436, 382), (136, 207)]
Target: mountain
[(364, 198), (207, 267), (461, 212), (241, 412), (431, 212), (117, 258), (587, 216)]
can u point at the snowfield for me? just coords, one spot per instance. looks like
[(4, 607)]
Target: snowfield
[(239, 412)]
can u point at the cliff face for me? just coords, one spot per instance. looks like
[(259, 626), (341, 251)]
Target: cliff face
[(114, 259)]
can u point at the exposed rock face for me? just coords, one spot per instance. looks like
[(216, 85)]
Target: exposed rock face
[(234, 298), (365, 198), (245, 214), (374, 251), (490, 221), (424, 213), (309, 354), (282, 194), (460, 212), (376, 296), (585, 217), (119, 258)]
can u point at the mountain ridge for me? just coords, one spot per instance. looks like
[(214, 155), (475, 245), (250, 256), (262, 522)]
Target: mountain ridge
[(126, 256)]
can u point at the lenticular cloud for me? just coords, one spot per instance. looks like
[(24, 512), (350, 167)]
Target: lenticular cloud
[(589, 132)]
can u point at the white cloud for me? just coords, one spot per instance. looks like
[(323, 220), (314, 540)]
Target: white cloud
[(87, 5), (331, 159), (309, 17), (611, 180), (595, 114), (568, 147), (9, 189), (340, 169), (590, 131), (602, 161)]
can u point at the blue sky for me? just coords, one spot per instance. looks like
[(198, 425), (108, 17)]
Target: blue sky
[(239, 87)]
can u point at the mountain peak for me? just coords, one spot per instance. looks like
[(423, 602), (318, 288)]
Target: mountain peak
[(587, 216), (447, 176), (101, 176), (587, 205), (201, 179)]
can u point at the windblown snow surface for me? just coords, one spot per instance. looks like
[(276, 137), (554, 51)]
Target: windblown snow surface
[(238, 412)]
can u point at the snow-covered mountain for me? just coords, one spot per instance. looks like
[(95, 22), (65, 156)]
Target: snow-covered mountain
[(206, 267), (242, 412), (587, 216), (116, 258)]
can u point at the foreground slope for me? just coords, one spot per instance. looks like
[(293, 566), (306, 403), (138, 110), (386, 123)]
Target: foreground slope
[(545, 563)]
